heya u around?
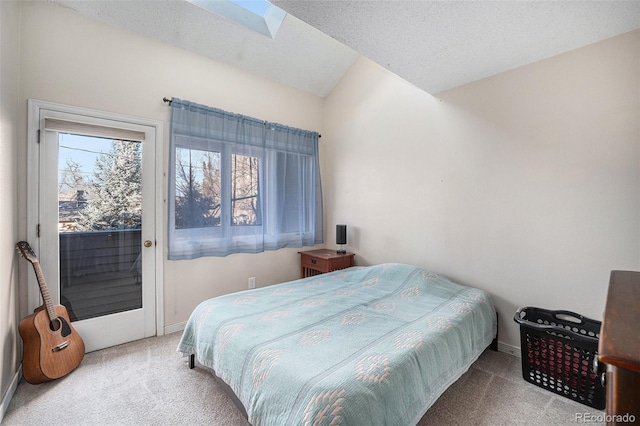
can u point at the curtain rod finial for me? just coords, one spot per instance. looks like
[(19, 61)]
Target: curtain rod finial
[(167, 100)]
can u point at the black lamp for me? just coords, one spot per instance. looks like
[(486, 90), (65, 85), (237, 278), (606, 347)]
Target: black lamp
[(341, 238)]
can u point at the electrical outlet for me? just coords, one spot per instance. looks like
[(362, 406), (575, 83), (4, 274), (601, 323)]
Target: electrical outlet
[(252, 282)]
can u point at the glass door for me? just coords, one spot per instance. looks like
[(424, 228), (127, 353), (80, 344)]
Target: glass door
[(97, 223)]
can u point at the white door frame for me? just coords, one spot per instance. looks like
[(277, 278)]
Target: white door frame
[(33, 163)]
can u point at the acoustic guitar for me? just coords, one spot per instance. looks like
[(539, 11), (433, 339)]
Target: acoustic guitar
[(52, 347)]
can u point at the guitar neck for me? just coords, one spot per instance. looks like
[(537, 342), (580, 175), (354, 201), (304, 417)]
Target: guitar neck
[(44, 291)]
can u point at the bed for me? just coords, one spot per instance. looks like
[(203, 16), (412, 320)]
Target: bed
[(373, 345)]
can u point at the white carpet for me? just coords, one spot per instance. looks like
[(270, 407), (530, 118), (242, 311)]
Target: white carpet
[(148, 383)]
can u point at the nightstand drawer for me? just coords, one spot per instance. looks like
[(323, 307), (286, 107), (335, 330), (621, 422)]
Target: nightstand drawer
[(315, 263)]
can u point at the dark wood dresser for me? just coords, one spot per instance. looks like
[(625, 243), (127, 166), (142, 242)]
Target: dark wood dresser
[(315, 262), (619, 347)]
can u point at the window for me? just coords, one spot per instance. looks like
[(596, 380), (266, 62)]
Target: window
[(199, 183), (240, 185), (244, 190), (197, 188), (257, 15)]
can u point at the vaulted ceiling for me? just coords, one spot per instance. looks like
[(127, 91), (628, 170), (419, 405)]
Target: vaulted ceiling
[(436, 45)]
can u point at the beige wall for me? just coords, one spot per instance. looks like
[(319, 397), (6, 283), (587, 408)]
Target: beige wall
[(73, 60), (9, 293), (524, 184)]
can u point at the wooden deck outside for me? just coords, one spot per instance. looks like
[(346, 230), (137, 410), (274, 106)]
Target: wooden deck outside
[(100, 272)]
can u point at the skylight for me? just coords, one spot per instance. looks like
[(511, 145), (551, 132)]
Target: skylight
[(257, 15), (259, 7)]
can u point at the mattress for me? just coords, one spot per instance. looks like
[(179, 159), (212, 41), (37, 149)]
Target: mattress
[(372, 345)]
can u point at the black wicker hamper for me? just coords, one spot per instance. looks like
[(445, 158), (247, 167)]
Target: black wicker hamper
[(559, 354)]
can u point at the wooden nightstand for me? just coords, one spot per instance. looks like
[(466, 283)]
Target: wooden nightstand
[(315, 262)]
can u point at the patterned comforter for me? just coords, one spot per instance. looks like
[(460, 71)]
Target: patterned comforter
[(370, 345)]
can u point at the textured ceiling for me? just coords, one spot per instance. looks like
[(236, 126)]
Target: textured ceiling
[(436, 45)]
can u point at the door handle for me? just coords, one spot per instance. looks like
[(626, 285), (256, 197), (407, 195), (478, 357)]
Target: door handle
[(148, 243)]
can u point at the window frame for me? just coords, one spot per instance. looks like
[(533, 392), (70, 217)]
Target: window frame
[(226, 230)]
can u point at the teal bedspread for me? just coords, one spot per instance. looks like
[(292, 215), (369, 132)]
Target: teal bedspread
[(370, 345)]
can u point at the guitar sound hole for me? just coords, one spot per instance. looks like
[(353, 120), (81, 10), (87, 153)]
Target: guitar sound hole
[(55, 325)]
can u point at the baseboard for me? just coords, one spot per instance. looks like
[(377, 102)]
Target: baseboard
[(508, 349), (10, 392), (173, 328)]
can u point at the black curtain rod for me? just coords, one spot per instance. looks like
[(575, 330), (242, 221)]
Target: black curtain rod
[(168, 101)]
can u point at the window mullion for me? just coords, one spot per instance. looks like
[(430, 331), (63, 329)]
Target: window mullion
[(225, 198)]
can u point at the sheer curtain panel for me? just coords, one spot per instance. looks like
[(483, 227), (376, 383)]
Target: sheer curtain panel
[(240, 185)]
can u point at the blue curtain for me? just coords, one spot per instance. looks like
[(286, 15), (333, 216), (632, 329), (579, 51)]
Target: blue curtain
[(240, 185)]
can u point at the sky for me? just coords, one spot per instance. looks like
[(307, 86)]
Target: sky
[(82, 149)]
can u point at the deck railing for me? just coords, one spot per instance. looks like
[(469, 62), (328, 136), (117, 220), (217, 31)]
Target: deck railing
[(100, 272)]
